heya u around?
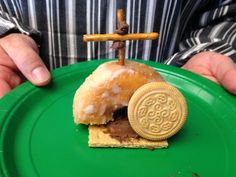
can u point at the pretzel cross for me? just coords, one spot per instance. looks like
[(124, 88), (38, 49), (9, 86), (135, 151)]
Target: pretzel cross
[(120, 37)]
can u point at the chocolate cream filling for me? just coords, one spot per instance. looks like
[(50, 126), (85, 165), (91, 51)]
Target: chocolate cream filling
[(120, 128)]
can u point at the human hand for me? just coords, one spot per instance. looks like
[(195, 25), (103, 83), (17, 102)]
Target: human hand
[(216, 67), (19, 59)]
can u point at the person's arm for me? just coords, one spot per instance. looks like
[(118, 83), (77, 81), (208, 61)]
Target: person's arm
[(211, 50), (19, 57)]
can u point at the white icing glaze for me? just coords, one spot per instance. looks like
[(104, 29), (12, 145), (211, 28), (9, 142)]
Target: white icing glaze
[(116, 89), (102, 109), (106, 72), (105, 94), (121, 71), (89, 109)]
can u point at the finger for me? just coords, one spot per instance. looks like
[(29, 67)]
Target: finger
[(216, 67), (28, 62), (225, 72), (8, 81), (15, 80), (201, 69), (4, 88), (5, 60), (10, 77), (222, 68)]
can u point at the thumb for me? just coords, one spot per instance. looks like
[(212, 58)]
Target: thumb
[(225, 71), (216, 67), (28, 62), (32, 67)]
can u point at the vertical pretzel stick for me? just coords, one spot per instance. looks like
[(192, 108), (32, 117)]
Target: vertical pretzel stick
[(121, 56), (121, 52), (120, 16)]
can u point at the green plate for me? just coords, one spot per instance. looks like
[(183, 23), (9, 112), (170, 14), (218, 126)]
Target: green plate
[(39, 139)]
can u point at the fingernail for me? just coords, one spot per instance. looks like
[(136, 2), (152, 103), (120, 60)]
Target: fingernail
[(40, 75)]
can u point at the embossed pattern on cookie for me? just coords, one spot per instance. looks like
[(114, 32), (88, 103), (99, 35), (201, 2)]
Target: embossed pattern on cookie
[(157, 111)]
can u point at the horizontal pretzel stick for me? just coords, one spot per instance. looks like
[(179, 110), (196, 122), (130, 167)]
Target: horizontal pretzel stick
[(117, 37)]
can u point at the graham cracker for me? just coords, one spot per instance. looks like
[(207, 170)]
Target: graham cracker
[(97, 138)]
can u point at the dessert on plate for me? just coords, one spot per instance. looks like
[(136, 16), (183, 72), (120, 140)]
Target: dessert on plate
[(102, 100), (127, 103)]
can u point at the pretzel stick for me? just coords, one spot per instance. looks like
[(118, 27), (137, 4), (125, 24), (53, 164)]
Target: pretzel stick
[(118, 37), (121, 56), (120, 16), (121, 52)]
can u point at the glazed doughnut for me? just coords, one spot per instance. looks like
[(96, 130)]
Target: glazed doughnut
[(109, 88)]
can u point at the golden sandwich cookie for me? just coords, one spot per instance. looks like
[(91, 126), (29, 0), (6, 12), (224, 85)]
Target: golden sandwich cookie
[(157, 111)]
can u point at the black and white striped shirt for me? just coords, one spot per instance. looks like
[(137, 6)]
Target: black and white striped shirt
[(185, 27)]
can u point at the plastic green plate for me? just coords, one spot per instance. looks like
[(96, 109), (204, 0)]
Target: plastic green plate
[(38, 137)]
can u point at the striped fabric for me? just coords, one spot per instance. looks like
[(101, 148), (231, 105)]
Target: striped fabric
[(186, 27)]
